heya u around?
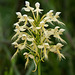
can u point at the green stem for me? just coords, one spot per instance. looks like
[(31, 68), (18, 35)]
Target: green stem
[(39, 68)]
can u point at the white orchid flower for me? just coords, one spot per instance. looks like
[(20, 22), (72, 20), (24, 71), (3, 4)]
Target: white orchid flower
[(56, 49), (28, 8), (37, 10)]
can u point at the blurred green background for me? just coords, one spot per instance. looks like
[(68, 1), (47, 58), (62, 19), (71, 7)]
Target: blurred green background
[(53, 66)]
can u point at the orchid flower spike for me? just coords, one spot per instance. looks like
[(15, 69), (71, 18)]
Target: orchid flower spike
[(33, 34)]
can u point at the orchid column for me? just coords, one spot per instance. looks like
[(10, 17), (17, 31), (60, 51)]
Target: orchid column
[(33, 34)]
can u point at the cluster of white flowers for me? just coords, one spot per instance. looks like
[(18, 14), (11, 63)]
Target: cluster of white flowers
[(34, 34)]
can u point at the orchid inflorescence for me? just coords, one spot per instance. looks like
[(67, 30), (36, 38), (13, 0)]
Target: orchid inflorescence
[(35, 34)]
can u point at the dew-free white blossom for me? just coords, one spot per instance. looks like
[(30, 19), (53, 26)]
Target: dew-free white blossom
[(34, 34), (28, 7), (37, 10)]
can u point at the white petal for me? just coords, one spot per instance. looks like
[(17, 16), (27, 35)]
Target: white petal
[(51, 32), (24, 35), (21, 19), (31, 20), (38, 27), (38, 10), (62, 56), (50, 11), (42, 22), (25, 53), (25, 15), (57, 27), (30, 39), (17, 27), (19, 14), (46, 18), (59, 45), (37, 5), (61, 30), (50, 21), (45, 25), (22, 29), (16, 24), (27, 3), (46, 33), (31, 8), (14, 43), (53, 49), (31, 56), (46, 44), (45, 54), (40, 46), (21, 47), (57, 13), (26, 9), (15, 30)]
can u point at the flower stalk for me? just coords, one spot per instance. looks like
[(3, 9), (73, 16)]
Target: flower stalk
[(39, 68)]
